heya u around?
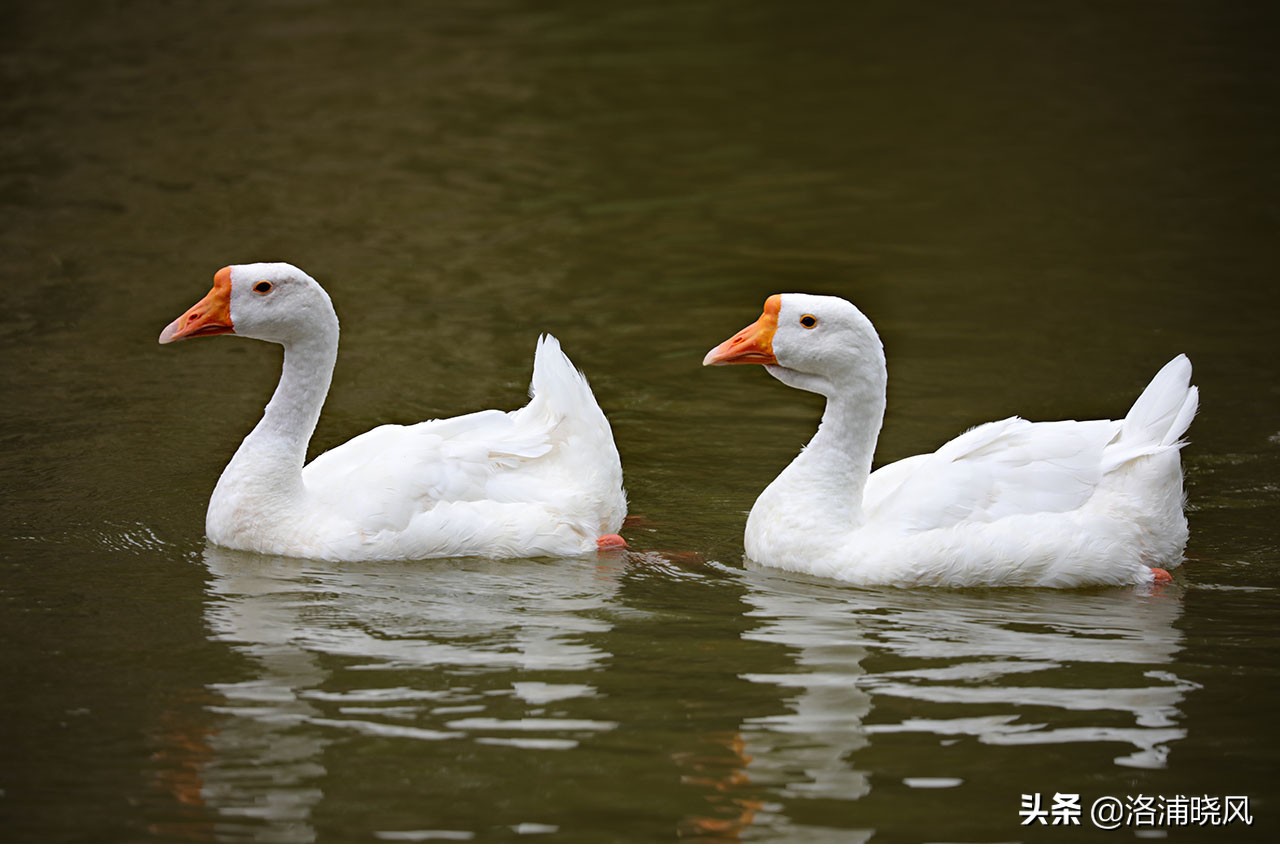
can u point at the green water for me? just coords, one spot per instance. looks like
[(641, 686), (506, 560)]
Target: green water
[(1038, 204)]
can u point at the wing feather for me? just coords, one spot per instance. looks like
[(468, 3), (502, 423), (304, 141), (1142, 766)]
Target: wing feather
[(993, 471), (394, 472)]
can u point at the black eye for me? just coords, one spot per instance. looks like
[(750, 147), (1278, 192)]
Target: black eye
[(808, 321), (263, 287)]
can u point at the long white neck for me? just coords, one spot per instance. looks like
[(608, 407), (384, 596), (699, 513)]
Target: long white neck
[(837, 461), (265, 475), (820, 493)]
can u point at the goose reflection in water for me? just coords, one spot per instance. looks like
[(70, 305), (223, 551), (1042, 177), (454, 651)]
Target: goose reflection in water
[(1057, 665), (551, 685), (394, 651)]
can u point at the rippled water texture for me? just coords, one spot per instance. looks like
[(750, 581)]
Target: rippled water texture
[(1038, 204)]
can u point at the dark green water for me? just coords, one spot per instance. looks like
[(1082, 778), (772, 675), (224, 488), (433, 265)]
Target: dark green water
[(1038, 204)]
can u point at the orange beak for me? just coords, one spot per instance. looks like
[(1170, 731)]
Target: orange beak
[(209, 316), (754, 344)]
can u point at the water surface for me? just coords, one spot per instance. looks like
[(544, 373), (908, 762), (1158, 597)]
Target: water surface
[(1038, 207)]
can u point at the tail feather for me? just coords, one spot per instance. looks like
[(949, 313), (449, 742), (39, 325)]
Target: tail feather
[(1160, 416), (1161, 404), (1182, 421), (586, 456), (558, 385)]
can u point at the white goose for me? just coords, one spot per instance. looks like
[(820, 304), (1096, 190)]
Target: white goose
[(543, 480), (1010, 503)]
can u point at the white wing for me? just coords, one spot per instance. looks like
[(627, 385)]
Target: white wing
[(993, 471), (391, 473)]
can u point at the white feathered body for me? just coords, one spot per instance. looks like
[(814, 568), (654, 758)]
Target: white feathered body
[(1009, 503), (543, 480)]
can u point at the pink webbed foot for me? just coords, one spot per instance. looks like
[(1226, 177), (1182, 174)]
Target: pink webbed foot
[(1161, 576), (611, 542)]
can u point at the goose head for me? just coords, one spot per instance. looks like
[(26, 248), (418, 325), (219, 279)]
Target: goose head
[(814, 343), (274, 302)]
